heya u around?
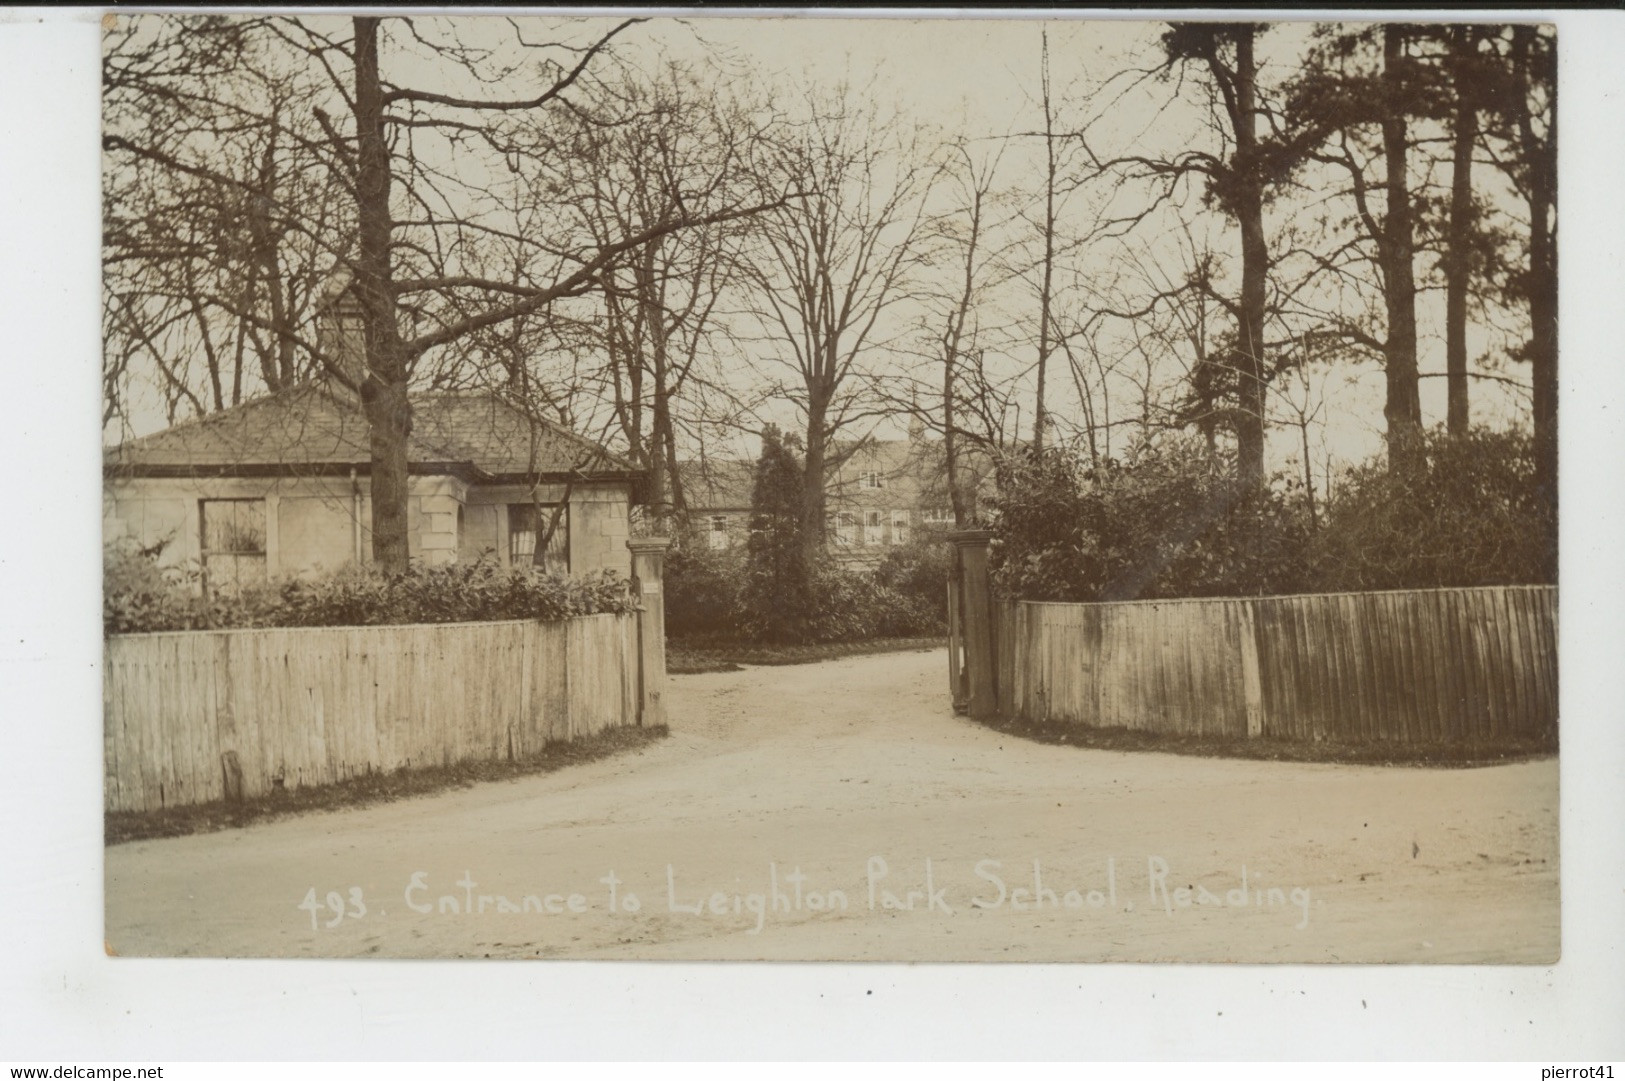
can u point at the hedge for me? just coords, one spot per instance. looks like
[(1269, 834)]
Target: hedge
[(139, 597)]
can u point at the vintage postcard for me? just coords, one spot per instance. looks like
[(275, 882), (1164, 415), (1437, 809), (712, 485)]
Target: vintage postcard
[(841, 489)]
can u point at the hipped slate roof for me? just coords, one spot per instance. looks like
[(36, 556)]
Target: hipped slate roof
[(718, 483), (314, 428)]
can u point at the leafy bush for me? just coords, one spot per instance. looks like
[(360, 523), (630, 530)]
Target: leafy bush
[(1171, 521), (1470, 517), (904, 615), (854, 605), (904, 598), (702, 591), (1168, 521), (919, 572), (140, 599), (138, 594), (450, 593)]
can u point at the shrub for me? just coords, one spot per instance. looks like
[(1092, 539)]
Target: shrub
[(703, 591), (138, 594), (1171, 521), (840, 607), (1469, 517), (906, 597), (134, 601), (903, 615), (851, 605), (1168, 521), (918, 571), (449, 593)]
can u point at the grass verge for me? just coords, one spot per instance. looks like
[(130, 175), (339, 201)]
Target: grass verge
[(367, 789), (690, 657), (1438, 755)]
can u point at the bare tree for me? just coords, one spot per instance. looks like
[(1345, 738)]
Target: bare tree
[(1238, 173), (208, 280), (950, 390), (1047, 274), (662, 313), (827, 270), (414, 158), (959, 331)]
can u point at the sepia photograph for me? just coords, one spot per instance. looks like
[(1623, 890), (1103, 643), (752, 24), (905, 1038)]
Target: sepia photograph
[(847, 489)]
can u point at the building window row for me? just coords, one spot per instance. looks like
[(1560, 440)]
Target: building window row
[(847, 529), (234, 549), (844, 528)]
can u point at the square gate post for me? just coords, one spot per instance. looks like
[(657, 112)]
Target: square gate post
[(976, 600), (648, 586)]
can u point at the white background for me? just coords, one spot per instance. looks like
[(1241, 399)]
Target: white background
[(63, 1000)]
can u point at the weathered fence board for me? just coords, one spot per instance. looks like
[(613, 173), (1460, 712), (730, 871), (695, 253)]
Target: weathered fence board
[(189, 713), (1423, 666)]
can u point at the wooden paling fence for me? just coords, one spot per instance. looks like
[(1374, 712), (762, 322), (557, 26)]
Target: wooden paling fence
[(204, 715), (1422, 666)]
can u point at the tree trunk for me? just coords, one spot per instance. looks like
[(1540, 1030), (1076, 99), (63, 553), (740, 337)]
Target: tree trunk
[(651, 299), (1543, 359), (277, 357), (954, 341), (1456, 263), (1541, 188), (814, 502), (1044, 344), (623, 338), (1249, 360), (674, 476), (950, 440), (1403, 409), (383, 391), (659, 493)]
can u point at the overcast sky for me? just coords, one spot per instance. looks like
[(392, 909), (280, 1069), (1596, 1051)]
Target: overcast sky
[(979, 77)]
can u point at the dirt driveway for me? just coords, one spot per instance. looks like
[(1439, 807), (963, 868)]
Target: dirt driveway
[(841, 811)]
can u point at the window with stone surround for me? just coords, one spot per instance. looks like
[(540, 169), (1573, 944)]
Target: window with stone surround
[(233, 543), (845, 528), (872, 532), (523, 526), (718, 533)]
